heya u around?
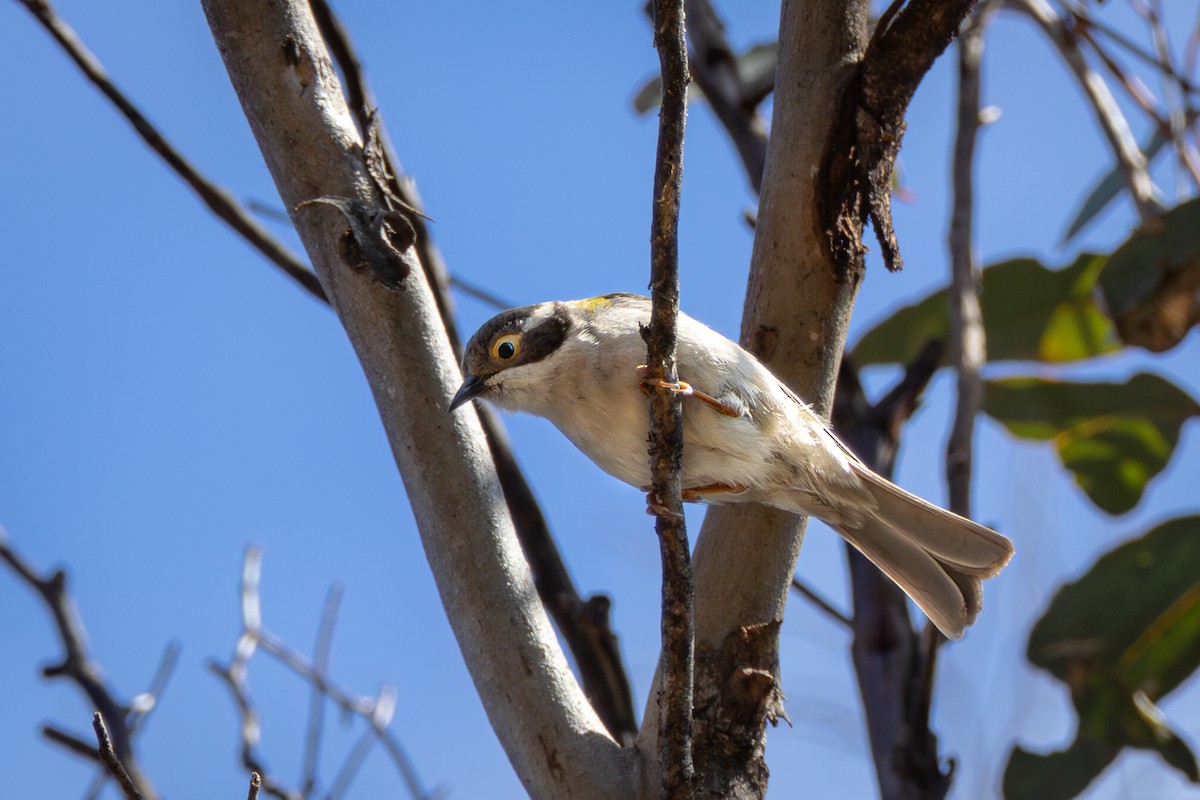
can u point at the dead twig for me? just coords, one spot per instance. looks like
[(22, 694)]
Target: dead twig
[(111, 762), (78, 667), (218, 200), (376, 712), (1112, 121), (666, 423)]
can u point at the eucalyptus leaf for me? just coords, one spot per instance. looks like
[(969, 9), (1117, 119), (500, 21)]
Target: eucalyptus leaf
[(1056, 776), (1151, 284), (1113, 437), (1030, 313), (1107, 189), (1121, 638)]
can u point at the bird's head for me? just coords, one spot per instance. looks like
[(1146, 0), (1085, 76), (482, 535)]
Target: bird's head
[(508, 351)]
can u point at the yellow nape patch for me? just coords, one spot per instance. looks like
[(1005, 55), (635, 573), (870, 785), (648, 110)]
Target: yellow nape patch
[(594, 304)]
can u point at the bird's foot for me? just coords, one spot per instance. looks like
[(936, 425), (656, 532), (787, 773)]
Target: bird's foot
[(656, 508), (696, 494), (685, 389)]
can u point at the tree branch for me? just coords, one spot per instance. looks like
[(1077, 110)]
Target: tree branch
[(280, 69), (377, 713), (713, 66), (218, 200), (906, 42), (1108, 114), (77, 665), (968, 346), (666, 422), (885, 648), (111, 761), (584, 623), (797, 306)]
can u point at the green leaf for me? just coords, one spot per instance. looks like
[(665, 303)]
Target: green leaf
[(1030, 313), (1119, 651), (1112, 437), (1151, 284), (1056, 776), (1107, 189)]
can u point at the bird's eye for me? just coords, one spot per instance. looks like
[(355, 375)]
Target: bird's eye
[(506, 347)]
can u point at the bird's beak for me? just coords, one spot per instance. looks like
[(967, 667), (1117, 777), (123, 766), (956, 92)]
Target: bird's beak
[(471, 388)]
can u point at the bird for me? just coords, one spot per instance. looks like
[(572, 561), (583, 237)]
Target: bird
[(747, 438)]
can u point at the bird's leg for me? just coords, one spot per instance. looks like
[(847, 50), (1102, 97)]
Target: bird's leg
[(698, 493), (685, 389)]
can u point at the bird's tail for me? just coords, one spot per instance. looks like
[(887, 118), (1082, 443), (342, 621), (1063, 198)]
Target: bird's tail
[(937, 557)]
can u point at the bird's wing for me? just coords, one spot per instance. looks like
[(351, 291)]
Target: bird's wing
[(820, 423)]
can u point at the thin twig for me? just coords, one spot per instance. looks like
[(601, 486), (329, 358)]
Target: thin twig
[(666, 424), (72, 743), (109, 758), (385, 708), (481, 294), (1087, 22), (376, 712), (76, 664), (1108, 114), (145, 703), (316, 704), (812, 596), (218, 200), (1175, 97), (255, 785)]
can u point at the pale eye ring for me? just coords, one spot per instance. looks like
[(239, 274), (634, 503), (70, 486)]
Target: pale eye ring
[(506, 347)]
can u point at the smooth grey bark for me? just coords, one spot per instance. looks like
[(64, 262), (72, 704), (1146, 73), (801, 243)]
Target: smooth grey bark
[(293, 101), (795, 318)]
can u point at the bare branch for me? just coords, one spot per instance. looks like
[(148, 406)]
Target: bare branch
[(885, 647), (316, 703), (72, 743), (218, 200), (666, 421), (584, 624), (249, 730), (281, 71), (830, 610), (968, 347), (111, 761), (377, 713), (1108, 114), (145, 703), (76, 664), (713, 66), (907, 40)]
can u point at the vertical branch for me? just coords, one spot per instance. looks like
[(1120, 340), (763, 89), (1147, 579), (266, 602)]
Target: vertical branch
[(666, 424), (968, 347)]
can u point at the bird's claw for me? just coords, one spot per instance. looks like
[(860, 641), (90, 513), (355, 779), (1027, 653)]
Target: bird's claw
[(656, 508)]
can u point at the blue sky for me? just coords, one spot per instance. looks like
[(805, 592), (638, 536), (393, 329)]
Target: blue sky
[(168, 398)]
